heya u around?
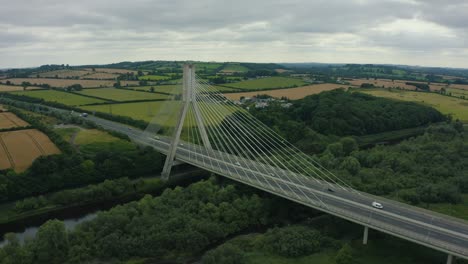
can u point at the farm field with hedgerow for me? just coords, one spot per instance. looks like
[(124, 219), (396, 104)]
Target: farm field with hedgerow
[(267, 83), (10, 120), (18, 149), (60, 97), (456, 107), (122, 95), (290, 93)]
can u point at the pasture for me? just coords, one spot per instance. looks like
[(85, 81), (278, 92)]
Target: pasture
[(10, 120), (162, 112), (18, 149), (291, 93), (153, 77), (231, 67), (11, 88), (60, 97), (458, 108), (170, 89), (122, 95), (93, 140), (267, 83), (62, 83)]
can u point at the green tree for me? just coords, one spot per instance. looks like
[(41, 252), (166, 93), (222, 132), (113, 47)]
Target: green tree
[(352, 165), (349, 145), (51, 243), (345, 255), (224, 254)]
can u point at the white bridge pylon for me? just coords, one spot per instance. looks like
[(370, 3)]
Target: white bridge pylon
[(188, 99)]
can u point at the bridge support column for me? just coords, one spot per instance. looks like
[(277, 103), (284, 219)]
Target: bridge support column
[(366, 234), (188, 96), (189, 74), (449, 259)]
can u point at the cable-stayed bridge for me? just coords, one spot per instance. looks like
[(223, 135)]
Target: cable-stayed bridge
[(204, 129)]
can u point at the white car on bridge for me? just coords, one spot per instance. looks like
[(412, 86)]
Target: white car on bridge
[(377, 205)]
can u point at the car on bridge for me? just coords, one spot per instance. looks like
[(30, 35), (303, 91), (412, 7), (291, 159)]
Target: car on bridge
[(377, 205)]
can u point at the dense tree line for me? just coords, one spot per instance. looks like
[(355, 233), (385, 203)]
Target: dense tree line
[(56, 172), (346, 113), (104, 191), (431, 168), (181, 222)]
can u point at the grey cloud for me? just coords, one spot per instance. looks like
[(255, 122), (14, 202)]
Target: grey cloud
[(162, 27)]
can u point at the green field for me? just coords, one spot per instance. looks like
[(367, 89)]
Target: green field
[(61, 97), (164, 112), (171, 89), (177, 89), (458, 108), (235, 68), (267, 83), (456, 210), (202, 66), (93, 141), (457, 92), (122, 95), (153, 77)]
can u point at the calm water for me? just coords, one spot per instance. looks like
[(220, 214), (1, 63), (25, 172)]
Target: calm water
[(70, 223)]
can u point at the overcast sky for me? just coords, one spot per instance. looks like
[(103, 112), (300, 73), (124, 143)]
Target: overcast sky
[(414, 32)]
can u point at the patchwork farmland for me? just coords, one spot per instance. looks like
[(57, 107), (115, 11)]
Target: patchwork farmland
[(18, 149), (62, 83), (267, 83), (290, 93)]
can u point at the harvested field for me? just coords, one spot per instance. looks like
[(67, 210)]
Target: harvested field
[(459, 86), (109, 70), (18, 149), (9, 120), (10, 88), (130, 83), (101, 76), (61, 74), (387, 83), (62, 83), (458, 108), (291, 93)]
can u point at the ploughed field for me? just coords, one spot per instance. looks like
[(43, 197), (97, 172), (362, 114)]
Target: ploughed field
[(18, 149)]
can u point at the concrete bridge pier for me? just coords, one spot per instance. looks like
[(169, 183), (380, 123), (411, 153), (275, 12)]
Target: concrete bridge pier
[(366, 234), (449, 259)]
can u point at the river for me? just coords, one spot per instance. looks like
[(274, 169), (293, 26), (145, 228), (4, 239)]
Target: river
[(70, 223)]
